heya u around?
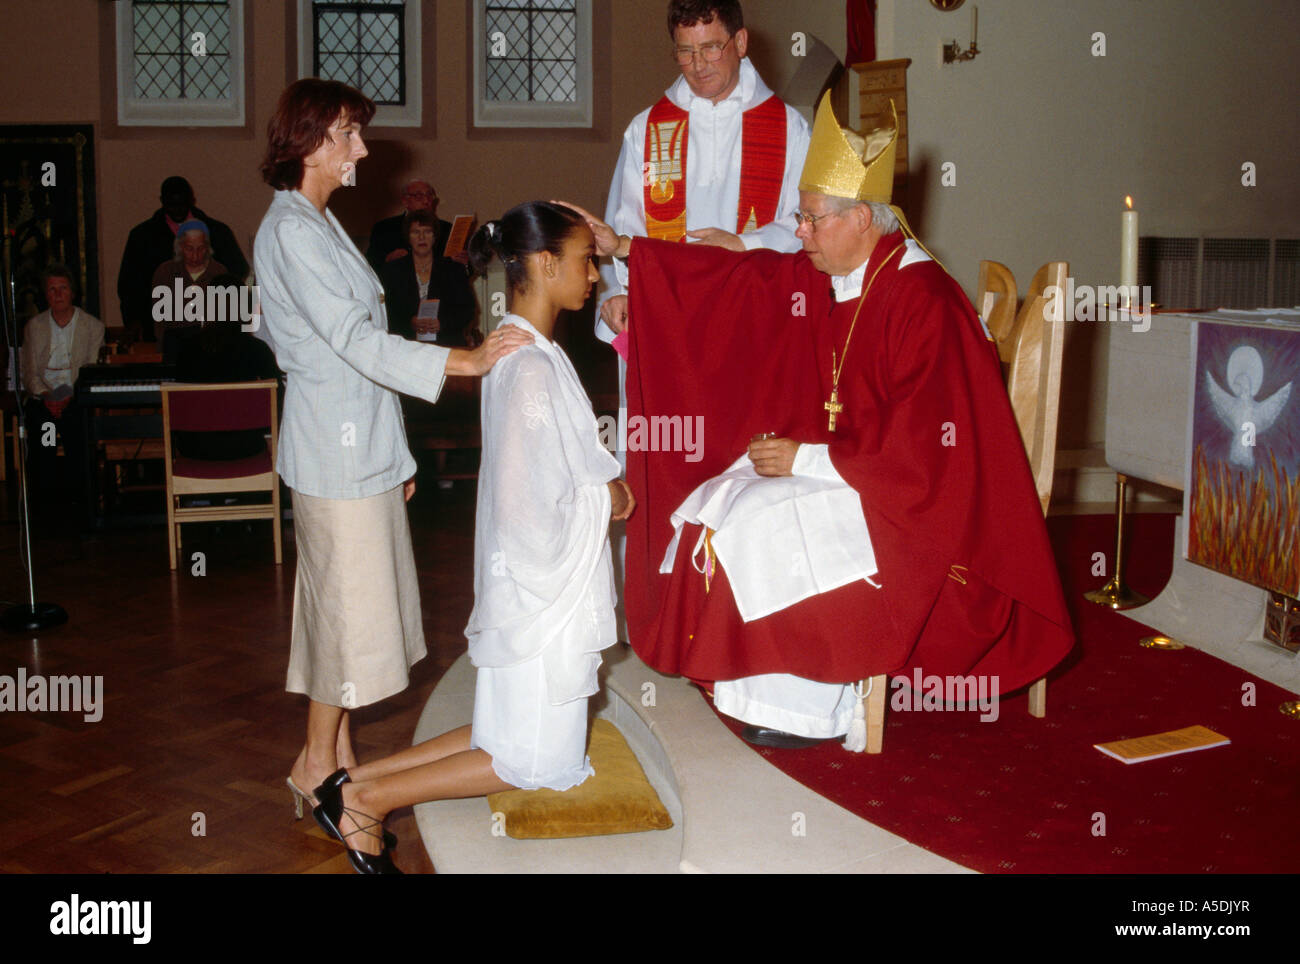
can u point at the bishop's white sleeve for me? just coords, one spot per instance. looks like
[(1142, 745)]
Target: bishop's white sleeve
[(779, 235), (323, 298), (625, 213), (814, 461)]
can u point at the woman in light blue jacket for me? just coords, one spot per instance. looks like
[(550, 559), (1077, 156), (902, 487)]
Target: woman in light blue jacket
[(356, 618)]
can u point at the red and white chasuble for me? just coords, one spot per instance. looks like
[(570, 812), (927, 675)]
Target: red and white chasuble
[(926, 437)]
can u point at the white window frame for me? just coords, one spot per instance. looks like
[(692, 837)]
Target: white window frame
[(386, 115), (489, 113), (177, 112)]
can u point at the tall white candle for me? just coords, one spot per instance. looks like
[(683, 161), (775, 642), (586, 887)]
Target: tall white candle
[(1128, 250)]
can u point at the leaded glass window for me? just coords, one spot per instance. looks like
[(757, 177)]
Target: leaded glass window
[(181, 49), (532, 50), (532, 63), (180, 62), (362, 44)]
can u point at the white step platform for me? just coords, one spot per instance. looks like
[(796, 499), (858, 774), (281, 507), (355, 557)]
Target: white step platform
[(732, 811)]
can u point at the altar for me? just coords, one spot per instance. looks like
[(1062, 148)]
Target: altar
[(1148, 436)]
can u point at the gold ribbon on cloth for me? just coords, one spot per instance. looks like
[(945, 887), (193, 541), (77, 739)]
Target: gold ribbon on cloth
[(710, 565)]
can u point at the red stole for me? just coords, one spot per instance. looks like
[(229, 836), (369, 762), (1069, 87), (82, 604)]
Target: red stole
[(762, 167)]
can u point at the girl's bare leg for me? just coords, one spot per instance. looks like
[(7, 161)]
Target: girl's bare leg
[(467, 773), (453, 741)]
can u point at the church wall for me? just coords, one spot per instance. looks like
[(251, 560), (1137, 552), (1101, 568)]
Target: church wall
[(1047, 139)]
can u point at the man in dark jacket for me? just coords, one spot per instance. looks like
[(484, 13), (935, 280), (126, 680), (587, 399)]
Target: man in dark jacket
[(151, 242), (388, 238)]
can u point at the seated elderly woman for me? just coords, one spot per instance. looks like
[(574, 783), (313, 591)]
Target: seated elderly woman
[(424, 275), (193, 267)]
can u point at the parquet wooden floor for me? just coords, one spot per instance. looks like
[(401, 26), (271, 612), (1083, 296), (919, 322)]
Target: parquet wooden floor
[(185, 771)]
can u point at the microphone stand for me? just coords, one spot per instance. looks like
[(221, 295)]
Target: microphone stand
[(33, 616)]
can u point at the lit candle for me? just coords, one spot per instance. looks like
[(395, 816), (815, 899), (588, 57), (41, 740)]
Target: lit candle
[(1128, 251)]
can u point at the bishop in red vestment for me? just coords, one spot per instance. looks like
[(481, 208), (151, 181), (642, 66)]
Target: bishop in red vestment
[(866, 360)]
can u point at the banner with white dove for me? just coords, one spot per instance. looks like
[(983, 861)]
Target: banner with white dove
[(1242, 500)]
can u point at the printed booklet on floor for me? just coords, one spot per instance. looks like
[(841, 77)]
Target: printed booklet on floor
[(1143, 748)]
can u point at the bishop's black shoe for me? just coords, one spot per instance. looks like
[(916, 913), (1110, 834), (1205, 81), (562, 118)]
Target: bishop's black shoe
[(764, 736)]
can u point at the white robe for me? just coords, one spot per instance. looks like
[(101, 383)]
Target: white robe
[(543, 581)]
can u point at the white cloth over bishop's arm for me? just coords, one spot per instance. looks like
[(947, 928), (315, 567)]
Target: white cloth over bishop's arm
[(543, 581), (780, 539)]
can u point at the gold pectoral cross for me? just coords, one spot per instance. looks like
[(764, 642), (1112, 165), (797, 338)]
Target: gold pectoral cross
[(834, 407)]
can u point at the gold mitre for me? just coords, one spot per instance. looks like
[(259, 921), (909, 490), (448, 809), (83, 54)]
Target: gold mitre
[(842, 163)]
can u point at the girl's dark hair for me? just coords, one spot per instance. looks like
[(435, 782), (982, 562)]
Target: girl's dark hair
[(301, 124), (523, 230)]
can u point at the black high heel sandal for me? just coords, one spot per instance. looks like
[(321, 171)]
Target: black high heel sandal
[(335, 779), (329, 814)]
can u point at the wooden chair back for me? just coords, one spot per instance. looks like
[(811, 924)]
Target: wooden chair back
[(221, 407), (996, 301), (1037, 352)]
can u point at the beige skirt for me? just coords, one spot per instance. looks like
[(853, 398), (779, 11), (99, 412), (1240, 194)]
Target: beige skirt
[(356, 601)]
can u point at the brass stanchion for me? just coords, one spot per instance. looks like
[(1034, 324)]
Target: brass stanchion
[(1116, 594)]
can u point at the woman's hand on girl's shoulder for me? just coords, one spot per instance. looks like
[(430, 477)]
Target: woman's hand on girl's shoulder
[(479, 361), (622, 501)]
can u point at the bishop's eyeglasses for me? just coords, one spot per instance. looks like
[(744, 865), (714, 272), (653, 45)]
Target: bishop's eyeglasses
[(803, 217), (710, 52)]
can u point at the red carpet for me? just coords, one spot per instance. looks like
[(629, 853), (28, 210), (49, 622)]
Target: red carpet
[(1021, 795)]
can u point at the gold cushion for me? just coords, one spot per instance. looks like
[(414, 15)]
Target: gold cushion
[(617, 798)]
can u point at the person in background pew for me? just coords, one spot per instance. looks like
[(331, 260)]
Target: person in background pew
[(422, 274), (389, 236), (194, 267), (57, 343), (151, 242)]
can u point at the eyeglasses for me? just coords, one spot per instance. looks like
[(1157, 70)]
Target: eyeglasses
[(803, 217), (710, 52)]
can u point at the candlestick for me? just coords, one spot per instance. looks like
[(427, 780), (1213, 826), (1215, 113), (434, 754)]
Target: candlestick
[(974, 24)]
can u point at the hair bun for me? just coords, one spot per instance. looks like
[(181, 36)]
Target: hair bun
[(496, 239)]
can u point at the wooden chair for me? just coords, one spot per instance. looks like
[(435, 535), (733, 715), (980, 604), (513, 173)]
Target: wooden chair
[(996, 301), (1035, 349), (220, 408)]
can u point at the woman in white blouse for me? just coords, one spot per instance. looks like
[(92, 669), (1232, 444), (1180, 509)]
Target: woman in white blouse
[(356, 619), (543, 580)]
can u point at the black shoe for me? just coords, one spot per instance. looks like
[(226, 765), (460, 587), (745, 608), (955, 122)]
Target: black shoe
[(329, 814), (335, 781), (762, 736)]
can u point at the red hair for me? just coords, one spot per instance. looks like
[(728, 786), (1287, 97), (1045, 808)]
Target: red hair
[(301, 123)]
